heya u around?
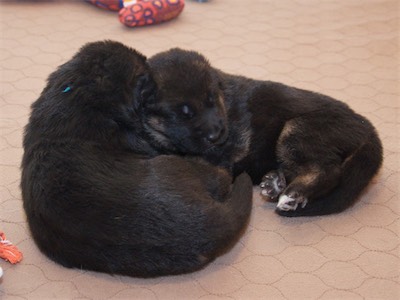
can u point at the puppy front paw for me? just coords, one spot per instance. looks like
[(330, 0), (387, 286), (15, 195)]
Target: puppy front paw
[(272, 185), (291, 201)]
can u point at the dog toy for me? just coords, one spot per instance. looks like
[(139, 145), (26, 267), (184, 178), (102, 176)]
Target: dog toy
[(8, 251), (133, 13)]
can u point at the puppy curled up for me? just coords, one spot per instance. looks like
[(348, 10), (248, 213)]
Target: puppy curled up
[(312, 154), (98, 196)]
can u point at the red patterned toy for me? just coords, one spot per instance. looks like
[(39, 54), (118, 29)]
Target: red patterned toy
[(134, 13), (148, 12)]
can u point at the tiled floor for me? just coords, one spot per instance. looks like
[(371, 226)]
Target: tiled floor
[(346, 49)]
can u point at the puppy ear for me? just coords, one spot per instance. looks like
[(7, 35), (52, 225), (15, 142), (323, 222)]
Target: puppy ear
[(218, 78), (145, 90)]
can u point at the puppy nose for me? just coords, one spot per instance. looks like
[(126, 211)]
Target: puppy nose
[(214, 135)]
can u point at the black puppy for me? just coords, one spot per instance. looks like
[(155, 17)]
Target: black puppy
[(313, 154), (94, 194)]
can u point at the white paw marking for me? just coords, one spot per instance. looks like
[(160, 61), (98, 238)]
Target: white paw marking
[(287, 203)]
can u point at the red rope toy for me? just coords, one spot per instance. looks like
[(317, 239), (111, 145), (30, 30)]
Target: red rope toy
[(8, 251)]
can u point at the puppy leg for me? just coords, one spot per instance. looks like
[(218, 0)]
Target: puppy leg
[(272, 184), (309, 184), (310, 163)]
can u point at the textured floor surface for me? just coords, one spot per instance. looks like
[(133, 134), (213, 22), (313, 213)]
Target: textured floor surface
[(345, 49)]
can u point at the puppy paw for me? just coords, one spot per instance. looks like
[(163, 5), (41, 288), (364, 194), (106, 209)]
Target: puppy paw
[(291, 202), (272, 184)]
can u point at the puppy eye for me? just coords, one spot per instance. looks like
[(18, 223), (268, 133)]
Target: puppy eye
[(187, 111)]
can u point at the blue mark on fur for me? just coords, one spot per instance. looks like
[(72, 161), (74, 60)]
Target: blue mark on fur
[(67, 89)]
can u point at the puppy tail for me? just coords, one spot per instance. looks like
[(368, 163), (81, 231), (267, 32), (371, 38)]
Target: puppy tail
[(358, 170)]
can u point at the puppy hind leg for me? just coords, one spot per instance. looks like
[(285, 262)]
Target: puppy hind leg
[(308, 185)]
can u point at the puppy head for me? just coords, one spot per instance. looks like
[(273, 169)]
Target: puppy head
[(94, 95), (188, 114), (100, 71)]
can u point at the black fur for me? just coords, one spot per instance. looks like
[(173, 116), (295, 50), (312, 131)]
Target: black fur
[(96, 196), (315, 153)]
